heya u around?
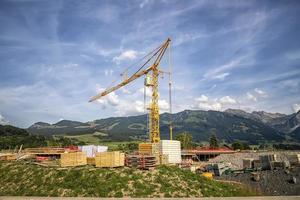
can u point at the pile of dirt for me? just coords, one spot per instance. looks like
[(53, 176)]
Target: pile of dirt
[(276, 182)]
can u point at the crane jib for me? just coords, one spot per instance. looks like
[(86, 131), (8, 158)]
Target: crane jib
[(154, 108)]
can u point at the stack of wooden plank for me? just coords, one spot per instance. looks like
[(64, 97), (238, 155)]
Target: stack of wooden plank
[(8, 156), (164, 159), (45, 150), (152, 149), (294, 159), (73, 159), (90, 160), (110, 159), (140, 161)]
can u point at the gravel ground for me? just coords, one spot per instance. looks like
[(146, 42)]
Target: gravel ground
[(275, 182), (235, 161)]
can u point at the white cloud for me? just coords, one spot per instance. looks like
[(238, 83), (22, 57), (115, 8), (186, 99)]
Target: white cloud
[(294, 55), (187, 37), (251, 96), (127, 108), (260, 92), (296, 107), (209, 106), (144, 3), (125, 55), (204, 103), (3, 121), (111, 99), (108, 72), (221, 76), (148, 91), (125, 91), (221, 72), (163, 105), (228, 100), (256, 95), (202, 98)]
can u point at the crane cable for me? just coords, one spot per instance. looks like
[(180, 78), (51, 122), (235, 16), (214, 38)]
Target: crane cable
[(135, 63)]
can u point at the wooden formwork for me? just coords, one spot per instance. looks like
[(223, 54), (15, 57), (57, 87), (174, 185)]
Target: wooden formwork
[(152, 149), (164, 159), (45, 150), (141, 161), (73, 159), (149, 148), (90, 160), (8, 157), (110, 159)]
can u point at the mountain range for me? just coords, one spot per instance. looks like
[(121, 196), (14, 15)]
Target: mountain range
[(230, 125)]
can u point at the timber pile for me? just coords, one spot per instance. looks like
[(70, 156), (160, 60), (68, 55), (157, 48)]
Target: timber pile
[(90, 161), (140, 161), (45, 150), (110, 159), (164, 159), (8, 157), (152, 149), (73, 159)]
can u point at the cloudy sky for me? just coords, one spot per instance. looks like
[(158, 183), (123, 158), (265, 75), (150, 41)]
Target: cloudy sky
[(55, 55)]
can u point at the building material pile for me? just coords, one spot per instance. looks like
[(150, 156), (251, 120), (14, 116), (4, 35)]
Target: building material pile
[(90, 161), (140, 161), (73, 159), (164, 159), (294, 159), (110, 159), (248, 163), (8, 156), (92, 150), (151, 149), (45, 150), (267, 161), (217, 168), (171, 148)]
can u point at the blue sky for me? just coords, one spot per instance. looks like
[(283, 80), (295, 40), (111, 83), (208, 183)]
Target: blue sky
[(55, 55)]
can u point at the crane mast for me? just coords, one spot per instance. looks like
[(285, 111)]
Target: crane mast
[(154, 107)]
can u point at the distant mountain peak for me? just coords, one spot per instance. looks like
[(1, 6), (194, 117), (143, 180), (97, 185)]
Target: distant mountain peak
[(70, 123), (40, 125), (267, 114)]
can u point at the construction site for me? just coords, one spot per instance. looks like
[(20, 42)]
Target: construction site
[(265, 172)]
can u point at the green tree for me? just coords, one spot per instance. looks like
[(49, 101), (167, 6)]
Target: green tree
[(241, 146), (213, 141), (185, 139), (237, 145)]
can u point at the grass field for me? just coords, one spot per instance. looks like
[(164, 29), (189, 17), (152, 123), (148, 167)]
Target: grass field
[(21, 179), (94, 139)]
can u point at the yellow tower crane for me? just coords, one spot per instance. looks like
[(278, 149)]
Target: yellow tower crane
[(151, 80)]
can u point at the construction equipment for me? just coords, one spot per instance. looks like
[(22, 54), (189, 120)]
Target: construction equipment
[(152, 73)]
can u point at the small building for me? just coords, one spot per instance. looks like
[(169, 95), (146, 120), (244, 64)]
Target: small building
[(204, 153)]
